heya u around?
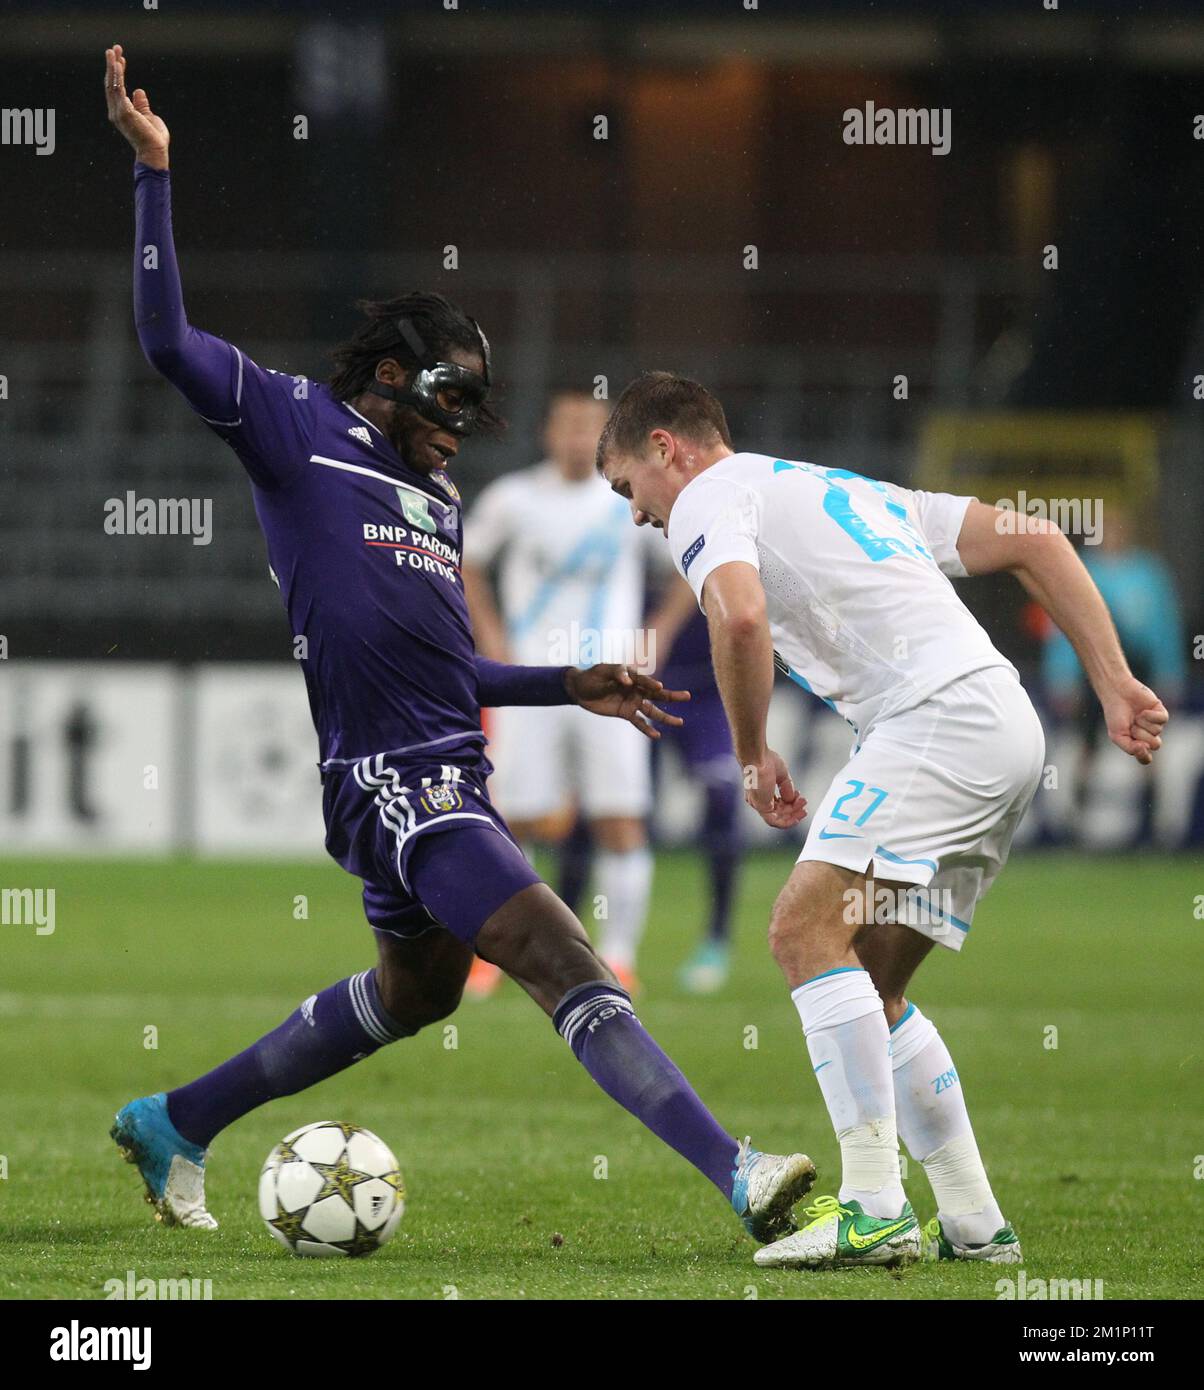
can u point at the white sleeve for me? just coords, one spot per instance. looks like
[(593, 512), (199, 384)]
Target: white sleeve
[(939, 516), (487, 527), (713, 522)]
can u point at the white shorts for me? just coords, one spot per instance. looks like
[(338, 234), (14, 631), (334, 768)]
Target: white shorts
[(546, 756), (933, 796)]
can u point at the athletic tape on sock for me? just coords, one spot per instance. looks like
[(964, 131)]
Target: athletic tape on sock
[(959, 1181), (870, 1156)]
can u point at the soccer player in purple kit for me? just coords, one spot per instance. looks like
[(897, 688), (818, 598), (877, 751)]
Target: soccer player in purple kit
[(363, 534)]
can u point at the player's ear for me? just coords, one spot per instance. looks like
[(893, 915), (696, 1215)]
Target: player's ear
[(390, 372)]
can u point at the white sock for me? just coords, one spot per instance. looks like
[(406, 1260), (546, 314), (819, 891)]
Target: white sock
[(624, 879), (935, 1126), (849, 1042)]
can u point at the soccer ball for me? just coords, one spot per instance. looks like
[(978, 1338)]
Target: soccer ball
[(331, 1189)]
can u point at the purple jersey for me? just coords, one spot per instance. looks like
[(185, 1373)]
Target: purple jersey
[(367, 555), (365, 549)]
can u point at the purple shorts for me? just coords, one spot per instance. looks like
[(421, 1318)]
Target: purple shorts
[(382, 816)]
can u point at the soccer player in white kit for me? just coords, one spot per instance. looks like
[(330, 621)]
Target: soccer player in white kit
[(571, 585), (842, 582)]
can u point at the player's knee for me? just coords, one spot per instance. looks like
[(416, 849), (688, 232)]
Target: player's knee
[(536, 940), (415, 1009), (803, 915), (543, 950), (440, 1004), (619, 834), (785, 929)]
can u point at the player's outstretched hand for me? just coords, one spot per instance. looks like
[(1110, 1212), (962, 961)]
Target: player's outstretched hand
[(1136, 718), (133, 115), (770, 791), (623, 693)]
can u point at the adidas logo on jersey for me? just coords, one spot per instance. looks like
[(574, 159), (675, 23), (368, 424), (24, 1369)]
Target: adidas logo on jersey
[(360, 433)]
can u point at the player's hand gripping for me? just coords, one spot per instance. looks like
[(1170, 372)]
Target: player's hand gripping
[(770, 791), (133, 116), (623, 693), (1135, 717)]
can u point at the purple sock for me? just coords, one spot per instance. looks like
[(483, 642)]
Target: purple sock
[(343, 1024), (599, 1024), (721, 836), (576, 864)]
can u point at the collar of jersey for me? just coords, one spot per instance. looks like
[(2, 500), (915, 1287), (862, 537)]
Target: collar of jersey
[(407, 473)]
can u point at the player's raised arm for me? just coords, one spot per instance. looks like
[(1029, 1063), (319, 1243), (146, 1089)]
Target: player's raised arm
[(146, 132), (251, 409), (1046, 563)]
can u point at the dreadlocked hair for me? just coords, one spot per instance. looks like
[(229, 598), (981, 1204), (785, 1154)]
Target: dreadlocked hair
[(439, 324)]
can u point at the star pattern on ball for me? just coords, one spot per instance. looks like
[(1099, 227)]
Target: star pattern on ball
[(288, 1223), (364, 1242), (339, 1179)]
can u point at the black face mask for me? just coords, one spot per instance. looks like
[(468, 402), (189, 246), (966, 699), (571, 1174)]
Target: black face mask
[(444, 393)]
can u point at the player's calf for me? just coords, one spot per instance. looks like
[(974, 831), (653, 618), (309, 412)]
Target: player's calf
[(537, 941), (935, 1125), (845, 1027)]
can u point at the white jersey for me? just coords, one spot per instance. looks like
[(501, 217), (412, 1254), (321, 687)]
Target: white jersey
[(572, 566), (860, 607)]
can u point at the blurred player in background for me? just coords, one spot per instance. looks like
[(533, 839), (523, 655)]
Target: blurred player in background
[(704, 746), (842, 583), (1140, 592), (571, 582)]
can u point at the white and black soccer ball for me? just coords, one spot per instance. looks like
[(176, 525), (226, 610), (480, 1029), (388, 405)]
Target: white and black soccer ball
[(331, 1189)]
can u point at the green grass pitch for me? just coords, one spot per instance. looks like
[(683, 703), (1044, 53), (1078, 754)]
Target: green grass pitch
[(1092, 1144)]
